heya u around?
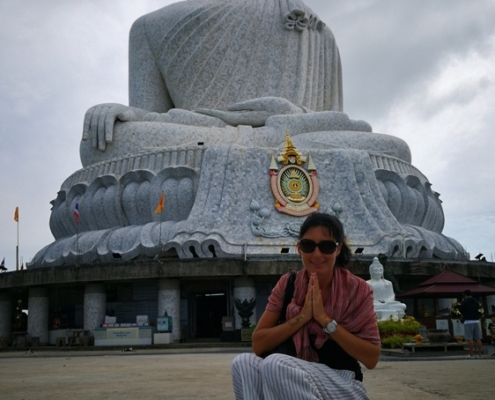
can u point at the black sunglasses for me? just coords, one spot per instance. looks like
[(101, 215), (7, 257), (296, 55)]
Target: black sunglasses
[(326, 246)]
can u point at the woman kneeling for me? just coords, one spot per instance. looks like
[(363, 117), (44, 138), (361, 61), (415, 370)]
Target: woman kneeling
[(329, 327)]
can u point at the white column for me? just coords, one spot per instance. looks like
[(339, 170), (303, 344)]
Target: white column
[(5, 319), (95, 303), (244, 289), (169, 301), (38, 314)]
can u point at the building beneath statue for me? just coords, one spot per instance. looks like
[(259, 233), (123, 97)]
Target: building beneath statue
[(198, 295)]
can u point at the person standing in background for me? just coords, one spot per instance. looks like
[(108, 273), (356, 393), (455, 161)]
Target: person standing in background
[(491, 329), (471, 316)]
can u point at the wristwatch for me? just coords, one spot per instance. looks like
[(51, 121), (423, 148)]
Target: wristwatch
[(331, 327)]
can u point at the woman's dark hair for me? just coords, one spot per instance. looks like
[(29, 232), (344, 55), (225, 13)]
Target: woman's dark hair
[(334, 227)]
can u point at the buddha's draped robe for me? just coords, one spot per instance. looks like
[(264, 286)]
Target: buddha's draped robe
[(208, 54)]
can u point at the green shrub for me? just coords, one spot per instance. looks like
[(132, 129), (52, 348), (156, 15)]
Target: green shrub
[(396, 341), (394, 333), (407, 326)]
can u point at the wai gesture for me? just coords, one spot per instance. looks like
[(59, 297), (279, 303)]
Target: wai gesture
[(313, 305)]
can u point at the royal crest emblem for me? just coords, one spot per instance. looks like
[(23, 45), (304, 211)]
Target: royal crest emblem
[(295, 188)]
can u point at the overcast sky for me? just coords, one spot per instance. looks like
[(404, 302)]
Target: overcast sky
[(421, 70)]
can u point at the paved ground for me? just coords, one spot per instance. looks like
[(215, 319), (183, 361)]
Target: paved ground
[(205, 374)]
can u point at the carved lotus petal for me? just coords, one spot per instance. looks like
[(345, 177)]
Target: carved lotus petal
[(254, 206), (337, 207), (257, 221), (265, 212)]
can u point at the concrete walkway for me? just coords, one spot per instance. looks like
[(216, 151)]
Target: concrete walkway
[(205, 374)]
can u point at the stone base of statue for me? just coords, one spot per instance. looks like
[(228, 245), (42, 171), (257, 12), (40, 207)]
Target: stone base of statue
[(221, 200), (383, 315)]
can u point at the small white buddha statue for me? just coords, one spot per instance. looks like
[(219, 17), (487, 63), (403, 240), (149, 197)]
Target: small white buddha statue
[(383, 293)]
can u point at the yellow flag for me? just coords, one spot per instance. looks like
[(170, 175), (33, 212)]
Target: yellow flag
[(16, 214), (161, 204)]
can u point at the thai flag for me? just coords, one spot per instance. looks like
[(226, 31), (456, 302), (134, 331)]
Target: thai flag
[(76, 212)]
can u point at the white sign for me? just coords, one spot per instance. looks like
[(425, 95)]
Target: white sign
[(443, 324), (458, 327), (125, 333)]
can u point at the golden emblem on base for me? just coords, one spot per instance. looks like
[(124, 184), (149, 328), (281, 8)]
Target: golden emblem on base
[(295, 188)]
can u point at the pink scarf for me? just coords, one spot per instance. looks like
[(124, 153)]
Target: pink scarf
[(350, 303)]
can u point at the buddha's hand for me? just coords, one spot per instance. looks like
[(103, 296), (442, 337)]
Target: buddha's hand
[(184, 117), (100, 120), (253, 112)]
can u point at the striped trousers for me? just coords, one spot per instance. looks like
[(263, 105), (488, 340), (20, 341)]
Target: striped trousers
[(281, 377)]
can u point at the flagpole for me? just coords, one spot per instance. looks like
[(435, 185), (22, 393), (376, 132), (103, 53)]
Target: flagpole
[(160, 238), (17, 247), (77, 245), (159, 210), (76, 215)]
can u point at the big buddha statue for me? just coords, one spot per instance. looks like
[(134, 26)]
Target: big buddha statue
[(232, 105)]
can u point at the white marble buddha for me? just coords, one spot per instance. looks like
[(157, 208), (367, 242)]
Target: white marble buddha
[(383, 293)]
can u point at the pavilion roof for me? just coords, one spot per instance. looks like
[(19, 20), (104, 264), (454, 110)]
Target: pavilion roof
[(448, 284)]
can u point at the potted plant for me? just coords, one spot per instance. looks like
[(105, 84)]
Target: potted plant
[(418, 339)]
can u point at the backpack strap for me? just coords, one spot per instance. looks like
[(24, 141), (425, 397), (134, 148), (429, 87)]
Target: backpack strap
[(287, 346), (289, 293)]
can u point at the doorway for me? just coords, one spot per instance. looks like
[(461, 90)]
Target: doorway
[(210, 308)]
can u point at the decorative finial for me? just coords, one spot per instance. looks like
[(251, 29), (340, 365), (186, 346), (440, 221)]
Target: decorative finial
[(290, 154), (311, 166), (273, 164)]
